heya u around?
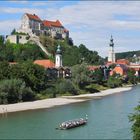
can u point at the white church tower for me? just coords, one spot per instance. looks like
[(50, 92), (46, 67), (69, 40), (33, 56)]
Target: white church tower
[(111, 55), (58, 57)]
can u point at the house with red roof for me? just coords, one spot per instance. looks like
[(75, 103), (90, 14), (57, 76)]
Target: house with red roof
[(46, 63), (32, 24), (123, 61), (120, 69), (55, 29)]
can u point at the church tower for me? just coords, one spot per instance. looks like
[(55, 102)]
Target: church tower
[(58, 57), (111, 55)]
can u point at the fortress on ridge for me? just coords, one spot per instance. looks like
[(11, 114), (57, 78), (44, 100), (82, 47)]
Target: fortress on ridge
[(32, 25)]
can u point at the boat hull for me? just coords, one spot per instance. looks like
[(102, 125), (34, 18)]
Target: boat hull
[(72, 124)]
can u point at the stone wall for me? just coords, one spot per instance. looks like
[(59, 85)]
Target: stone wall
[(17, 39)]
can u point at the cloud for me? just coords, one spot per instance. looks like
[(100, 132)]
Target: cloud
[(19, 1), (92, 22), (11, 10), (39, 3), (7, 26)]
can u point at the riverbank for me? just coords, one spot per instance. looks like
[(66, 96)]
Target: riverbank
[(47, 103)]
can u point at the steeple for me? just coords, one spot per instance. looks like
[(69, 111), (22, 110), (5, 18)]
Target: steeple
[(111, 42), (58, 57), (111, 55), (58, 51)]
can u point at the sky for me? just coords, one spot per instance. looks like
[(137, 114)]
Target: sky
[(89, 22)]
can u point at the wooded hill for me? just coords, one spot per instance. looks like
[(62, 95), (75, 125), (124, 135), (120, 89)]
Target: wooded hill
[(71, 54), (127, 55)]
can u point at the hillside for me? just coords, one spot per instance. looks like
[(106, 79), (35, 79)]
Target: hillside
[(127, 55), (71, 54)]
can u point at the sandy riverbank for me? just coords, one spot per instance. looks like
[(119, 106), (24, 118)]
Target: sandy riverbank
[(47, 103)]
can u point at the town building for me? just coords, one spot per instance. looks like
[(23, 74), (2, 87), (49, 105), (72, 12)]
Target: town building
[(55, 70), (111, 54), (120, 69), (58, 58), (46, 63), (55, 29), (123, 61)]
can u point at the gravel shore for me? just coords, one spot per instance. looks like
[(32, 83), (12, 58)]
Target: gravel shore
[(47, 103)]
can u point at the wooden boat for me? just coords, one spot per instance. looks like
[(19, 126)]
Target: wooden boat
[(72, 123)]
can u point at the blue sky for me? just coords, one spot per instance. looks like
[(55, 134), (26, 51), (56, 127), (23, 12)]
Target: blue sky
[(89, 22)]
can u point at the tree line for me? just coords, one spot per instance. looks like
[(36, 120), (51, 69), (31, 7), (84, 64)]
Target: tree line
[(35, 80)]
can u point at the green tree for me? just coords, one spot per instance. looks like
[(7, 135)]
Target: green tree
[(98, 76), (6, 52), (32, 74), (114, 81), (4, 70), (135, 118), (1, 40), (131, 76), (90, 57), (71, 56), (65, 87), (13, 91), (27, 52), (80, 75), (13, 31)]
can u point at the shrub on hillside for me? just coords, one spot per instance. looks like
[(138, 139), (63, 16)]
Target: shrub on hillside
[(13, 91), (114, 82), (135, 118), (33, 75), (65, 87)]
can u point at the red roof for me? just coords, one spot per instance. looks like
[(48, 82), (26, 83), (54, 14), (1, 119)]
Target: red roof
[(52, 23), (93, 68), (33, 17), (45, 63), (122, 61)]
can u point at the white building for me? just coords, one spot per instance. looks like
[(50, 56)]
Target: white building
[(111, 54), (18, 39), (58, 58), (32, 24), (55, 29)]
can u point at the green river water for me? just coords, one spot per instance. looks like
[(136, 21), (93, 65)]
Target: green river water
[(107, 119)]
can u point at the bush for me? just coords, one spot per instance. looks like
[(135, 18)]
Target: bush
[(114, 82), (33, 75), (13, 91), (135, 118), (48, 93), (65, 87)]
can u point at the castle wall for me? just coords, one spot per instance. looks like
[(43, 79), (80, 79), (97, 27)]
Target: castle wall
[(17, 39), (12, 39)]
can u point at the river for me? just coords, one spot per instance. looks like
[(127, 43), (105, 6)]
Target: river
[(107, 119)]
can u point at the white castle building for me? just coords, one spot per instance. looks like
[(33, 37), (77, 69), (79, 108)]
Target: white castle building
[(111, 54), (32, 25)]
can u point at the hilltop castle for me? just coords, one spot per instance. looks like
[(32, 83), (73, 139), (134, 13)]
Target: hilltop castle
[(32, 25)]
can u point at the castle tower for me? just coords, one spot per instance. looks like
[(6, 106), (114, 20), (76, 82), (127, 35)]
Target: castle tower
[(58, 57), (111, 55)]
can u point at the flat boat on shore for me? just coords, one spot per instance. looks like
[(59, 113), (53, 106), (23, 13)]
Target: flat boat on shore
[(73, 123)]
